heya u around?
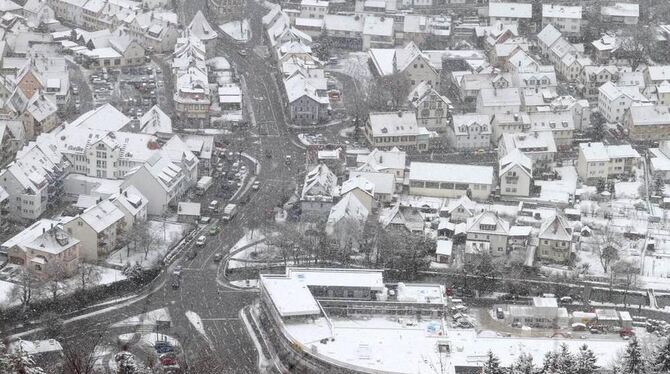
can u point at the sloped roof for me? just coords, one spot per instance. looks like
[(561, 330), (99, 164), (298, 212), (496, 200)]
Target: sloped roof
[(555, 228), (201, 28)]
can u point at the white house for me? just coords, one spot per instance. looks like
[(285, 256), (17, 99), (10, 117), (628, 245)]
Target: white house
[(599, 161), (378, 32), (511, 123), (392, 162), (540, 147), (648, 122), (487, 233), (516, 174), (433, 111), (623, 13), (387, 130), (319, 191), (509, 12), (132, 203), (459, 210), (384, 184), (659, 161), (555, 240), (615, 100), (568, 19), (408, 60), (97, 228), (560, 124), (363, 189), (470, 132), (493, 101), (350, 210), (450, 180)]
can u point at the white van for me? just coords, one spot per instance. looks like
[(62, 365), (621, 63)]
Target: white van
[(214, 206)]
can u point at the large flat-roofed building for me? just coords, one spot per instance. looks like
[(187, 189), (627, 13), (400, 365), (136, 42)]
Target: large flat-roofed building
[(450, 180)]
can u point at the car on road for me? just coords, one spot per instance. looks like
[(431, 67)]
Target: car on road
[(175, 283), (242, 52), (177, 270), (191, 255), (287, 160), (201, 241), (163, 347), (218, 257), (256, 185), (268, 154), (168, 359), (214, 230), (205, 220)]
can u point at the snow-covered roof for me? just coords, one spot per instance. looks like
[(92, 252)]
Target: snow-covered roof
[(642, 115), (384, 183), (349, 207), (188, 209), (593, 152), (621, 10), (538, 141), (378, 26), (155, 121), (201, 28), (515, 158), (621, 151), (613, 92), (444, 247), (105, 117), (495, 97), (102, 215), (131, 199), (658, 73), (41, 107), (520, 231), (366, 278), (35, 347), (393, 123), (289, 296), (555, 228), (320, 184), (561, 11), (454, 173), (490, 220), (510, 10), (347, 23), (30, 233), (606, 42), (382, 160)]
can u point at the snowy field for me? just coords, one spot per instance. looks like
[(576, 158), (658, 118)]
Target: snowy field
[(167, 233)]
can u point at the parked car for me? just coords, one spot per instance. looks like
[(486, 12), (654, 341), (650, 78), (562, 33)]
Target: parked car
[(256, 185), (218, 257), (201, 241), (168, 359), (242, 52), (175, 283), (214, 230), (177, 270), (163, 347)]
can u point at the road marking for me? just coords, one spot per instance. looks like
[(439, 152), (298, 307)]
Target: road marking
[(221, 319)]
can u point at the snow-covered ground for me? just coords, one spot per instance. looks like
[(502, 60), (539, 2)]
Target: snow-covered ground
[(145, 319), (6, 293), (248, 238), (196, 322), (168, 234), (245, 283), (240, 33), (355, 65)]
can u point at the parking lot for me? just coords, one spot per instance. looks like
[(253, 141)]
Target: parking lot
[(140, 89)]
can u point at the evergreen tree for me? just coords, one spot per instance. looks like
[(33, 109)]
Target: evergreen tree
[(566, 361), (523, 365), (662, 362), (586, 361), (633, 363), (492, 365), (550, 363)]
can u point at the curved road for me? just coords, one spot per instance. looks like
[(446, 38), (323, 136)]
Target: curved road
[(201, 292)]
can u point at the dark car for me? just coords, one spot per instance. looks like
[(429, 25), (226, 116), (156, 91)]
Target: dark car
[(175, 283), (163, 347), (218, 257), (191, 255)]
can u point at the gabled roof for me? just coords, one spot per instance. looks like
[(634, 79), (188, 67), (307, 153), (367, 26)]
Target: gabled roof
[(131, 199), (320, 183), (488, 218), (41, 107), (561, 11), (201, 28), (102, 215), (384, 183), (154, 121), (516, 158), (555, 228), (357, 182), (510, 10), (348, 207), (462, 202), (105, 117), (549, 35)]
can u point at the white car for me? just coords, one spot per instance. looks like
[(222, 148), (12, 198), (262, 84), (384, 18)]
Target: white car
[(201, 241), (256, 186)]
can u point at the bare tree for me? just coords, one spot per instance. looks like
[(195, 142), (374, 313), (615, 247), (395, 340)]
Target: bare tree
[(27, 287), (55, 275), (607, 247), (89, 274), (149, 241), (389, 93), (626, 273), (637, 46), (80, 358)]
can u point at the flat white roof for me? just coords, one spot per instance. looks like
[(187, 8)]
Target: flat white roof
[(455, 173), (290, 296), (444, 247), (561, 11), (338, 277), (511, 10)]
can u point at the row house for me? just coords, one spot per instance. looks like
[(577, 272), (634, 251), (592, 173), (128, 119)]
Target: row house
[(620, 13), (559, 124), (319, 192), (597, 161), (192, 93), (594, 76), (509, 123)]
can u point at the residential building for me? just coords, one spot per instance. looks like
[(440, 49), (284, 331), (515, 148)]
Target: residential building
[(443, 250), (43, 244), (494, 101), (203, 148), (12, 137), (433, 111), (555, 240), (568, 19), (540, 147), (388, 130), (656, 74), (34, 180), (450, 180), (192, 93), (614, 100), (41, 114), (319, 192), (200, 28), (408, 60), (547, 37), (469, 84), (508, 123), (350, 212), (648, 122), (459, 210), (98, 228), (604, 47), (363, 189), (132, 203), (559, 123), (509, 12), (597, 161), (307, 98), (378, 32), (313, 9), (659, 161), (345, 30), (594, 76), (516, 174), (384, 185), (486, 233), (470, 132), (621, 13)]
